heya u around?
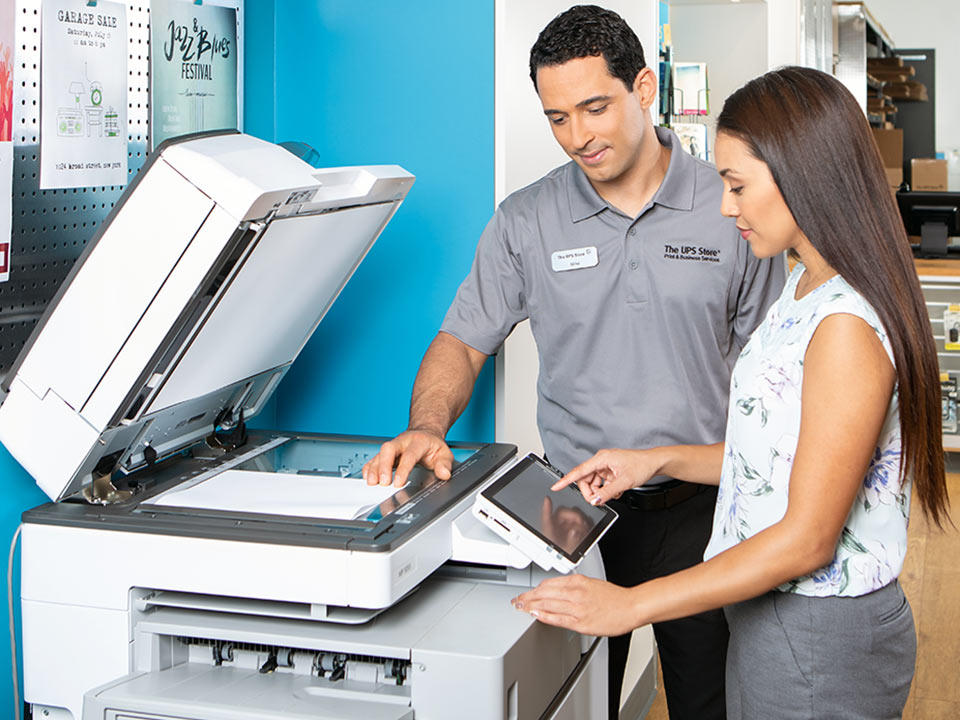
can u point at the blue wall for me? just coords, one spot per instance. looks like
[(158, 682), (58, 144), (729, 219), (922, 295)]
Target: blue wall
[(259, 69), (19, 494), (407, 83)]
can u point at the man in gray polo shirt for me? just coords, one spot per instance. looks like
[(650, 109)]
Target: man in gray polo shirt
[(640, 297)]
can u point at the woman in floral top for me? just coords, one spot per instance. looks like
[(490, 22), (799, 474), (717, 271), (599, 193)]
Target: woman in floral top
[(833, 423)]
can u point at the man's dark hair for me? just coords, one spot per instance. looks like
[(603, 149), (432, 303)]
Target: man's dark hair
[(589, 31)]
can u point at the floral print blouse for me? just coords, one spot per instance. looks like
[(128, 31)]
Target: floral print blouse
[(763, 424)]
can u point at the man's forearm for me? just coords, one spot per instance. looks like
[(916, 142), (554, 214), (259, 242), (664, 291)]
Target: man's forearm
[(444, 384)]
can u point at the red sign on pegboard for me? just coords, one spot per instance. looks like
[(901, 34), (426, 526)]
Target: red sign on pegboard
[(4, 260)]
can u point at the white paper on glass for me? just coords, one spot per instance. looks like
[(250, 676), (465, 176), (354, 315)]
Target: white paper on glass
[(274, 493), (83, 94)]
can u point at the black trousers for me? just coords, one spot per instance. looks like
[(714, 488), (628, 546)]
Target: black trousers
[(645, 544)]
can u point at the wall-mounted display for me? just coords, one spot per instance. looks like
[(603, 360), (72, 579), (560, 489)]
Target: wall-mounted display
[(693, 138), (83, 94), (193, 68), (690, 89)]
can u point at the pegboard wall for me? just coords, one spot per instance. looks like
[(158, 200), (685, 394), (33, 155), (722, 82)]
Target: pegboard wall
[(50, 228)]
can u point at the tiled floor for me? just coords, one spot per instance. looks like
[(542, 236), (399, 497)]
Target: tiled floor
[(931, 581)]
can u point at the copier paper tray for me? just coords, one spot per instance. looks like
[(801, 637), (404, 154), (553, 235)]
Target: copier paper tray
[(193, 691)]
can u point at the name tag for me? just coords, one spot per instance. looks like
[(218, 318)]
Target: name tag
[(574, 259)]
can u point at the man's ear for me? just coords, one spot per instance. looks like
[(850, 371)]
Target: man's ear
[(646, 86)]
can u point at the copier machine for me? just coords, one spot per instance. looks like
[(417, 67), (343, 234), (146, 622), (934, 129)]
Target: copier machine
[(191, 568)]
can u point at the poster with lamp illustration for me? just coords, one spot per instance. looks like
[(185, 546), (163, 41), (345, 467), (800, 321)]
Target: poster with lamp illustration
[(6, 135), (83, 94)]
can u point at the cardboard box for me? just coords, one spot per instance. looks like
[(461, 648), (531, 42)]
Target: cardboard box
[(885, 62), (890, 143), (894, 177), (928, 174), (911, 90), (894, 74)]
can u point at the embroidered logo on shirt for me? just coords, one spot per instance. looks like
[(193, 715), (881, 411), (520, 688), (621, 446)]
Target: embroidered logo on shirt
[(691, 252)]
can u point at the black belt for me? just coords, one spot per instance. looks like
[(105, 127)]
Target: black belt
[(662, 496)]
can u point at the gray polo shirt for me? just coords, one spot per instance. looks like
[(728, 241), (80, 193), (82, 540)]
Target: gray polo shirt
[(638, 321)]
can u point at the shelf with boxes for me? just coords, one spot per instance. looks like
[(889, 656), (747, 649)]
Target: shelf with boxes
[(906, 149), (858, 40), (898, 87), (891, 82), (894, 88), (884, 76), (940, 282), (898, 79)]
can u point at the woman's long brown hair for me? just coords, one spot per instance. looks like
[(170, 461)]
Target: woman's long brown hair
[(811, 133)]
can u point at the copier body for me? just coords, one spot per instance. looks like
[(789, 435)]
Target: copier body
[(174, 329)]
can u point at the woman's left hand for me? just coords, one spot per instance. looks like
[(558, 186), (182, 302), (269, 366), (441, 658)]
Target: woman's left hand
[(586, 605)]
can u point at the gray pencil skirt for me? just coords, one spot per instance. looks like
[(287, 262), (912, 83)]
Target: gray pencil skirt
[(792, 656)]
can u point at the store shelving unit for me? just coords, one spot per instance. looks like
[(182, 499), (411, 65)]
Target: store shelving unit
[(940, 282), (858, 36)]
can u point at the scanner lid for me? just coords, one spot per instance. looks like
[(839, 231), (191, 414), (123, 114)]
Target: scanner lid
[(187, 307)]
